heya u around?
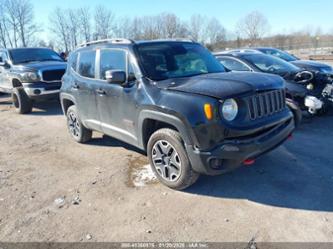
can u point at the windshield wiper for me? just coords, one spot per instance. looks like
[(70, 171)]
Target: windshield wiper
[(49, 60), (25, 61)]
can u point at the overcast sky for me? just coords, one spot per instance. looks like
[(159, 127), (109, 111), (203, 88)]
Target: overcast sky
[(283, 15)]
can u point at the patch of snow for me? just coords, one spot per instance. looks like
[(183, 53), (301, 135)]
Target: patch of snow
[(143, 176)]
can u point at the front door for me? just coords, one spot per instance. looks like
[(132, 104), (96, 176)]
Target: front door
[(116, 103)]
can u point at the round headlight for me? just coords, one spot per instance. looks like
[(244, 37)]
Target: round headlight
[(229, 109), (310, 86)]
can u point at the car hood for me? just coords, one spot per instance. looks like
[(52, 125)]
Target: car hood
[(306, 64), (35, 66), (295, 89), (224, 85)]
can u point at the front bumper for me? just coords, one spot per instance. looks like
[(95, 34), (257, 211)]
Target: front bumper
[(42, 90), (313, 104), (232, 153)]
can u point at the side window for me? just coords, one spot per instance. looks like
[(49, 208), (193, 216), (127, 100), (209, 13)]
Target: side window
[(233, 65), (87, 64), (112, 59)]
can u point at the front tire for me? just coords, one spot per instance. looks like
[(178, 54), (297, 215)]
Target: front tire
[(75, 127), (169, 160), (21, 101)]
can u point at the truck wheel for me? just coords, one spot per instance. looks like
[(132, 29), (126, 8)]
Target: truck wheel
[(21, 101), (169, 161), (77, 130)]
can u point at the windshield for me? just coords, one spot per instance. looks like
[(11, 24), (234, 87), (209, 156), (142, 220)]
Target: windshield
[(270, 64), (23, 55), (162, 61), (281, 54)]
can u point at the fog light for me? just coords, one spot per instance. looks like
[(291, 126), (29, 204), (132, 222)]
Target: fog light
[(37, 91), (216, 163)]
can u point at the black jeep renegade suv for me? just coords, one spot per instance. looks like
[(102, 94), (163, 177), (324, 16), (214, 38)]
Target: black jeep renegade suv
[(30, 74), (174, 100)]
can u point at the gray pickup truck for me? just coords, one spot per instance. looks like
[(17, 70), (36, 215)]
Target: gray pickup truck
[(30, 74)]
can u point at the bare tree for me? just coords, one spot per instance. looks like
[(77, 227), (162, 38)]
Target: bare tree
[(124, 28), (25, 20), (59, 28), (104, 22), (73, 27), (170, 25), (253, 26), (84, 19), (196, 28), (18, 22), (13, 25), (215, 33), (151, 27), (3, 26), (136, 30)]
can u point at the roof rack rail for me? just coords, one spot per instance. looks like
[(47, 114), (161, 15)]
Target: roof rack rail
[(113, 41), (175, 39)]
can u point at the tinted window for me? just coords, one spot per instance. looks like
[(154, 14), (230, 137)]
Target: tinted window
[(270, 64), (174, 60), (233, 65), (25, 55), (112, 60), (87, 64), (278, 53)]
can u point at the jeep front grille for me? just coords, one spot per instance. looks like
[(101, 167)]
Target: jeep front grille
[(266, 103), (53, 75)]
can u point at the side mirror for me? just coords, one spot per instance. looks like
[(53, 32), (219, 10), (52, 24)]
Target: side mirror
[(115, 76), (5, 64)]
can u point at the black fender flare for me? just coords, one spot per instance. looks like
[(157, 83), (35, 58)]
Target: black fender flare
[(66, 96), (179, 123), (296, 110)]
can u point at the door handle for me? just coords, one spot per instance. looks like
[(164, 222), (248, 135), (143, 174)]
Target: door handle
[(101, 92), (76, 86)]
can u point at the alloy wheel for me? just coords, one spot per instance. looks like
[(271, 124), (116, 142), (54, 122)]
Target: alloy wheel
[(74, 124), (166, 161)]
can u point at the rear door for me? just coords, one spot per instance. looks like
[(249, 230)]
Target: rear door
[(84, 89)]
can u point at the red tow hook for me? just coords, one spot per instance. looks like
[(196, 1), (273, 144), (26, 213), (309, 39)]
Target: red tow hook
[(249, 162), (290, 136)]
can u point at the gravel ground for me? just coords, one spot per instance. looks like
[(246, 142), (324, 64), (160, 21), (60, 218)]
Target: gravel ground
[(52, 189)]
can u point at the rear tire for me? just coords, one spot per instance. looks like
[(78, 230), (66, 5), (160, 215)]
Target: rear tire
[(75, 127), (169, 160), (21, 101)]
